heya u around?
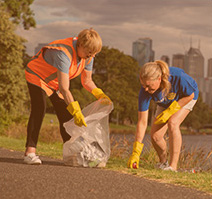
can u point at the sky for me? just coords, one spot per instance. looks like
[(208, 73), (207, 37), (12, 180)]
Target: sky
[(173, 25)]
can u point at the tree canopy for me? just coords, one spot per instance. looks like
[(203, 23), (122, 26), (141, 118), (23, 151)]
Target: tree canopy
[(20, 12), (117, 74), (12, 81)]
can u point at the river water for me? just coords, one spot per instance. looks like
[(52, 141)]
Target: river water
[(199, 145), (190, 142)]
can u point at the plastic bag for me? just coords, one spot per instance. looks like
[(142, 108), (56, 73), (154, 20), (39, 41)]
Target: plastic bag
[(89, 146)]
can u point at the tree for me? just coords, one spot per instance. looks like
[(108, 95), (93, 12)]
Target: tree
[(117, 74), (12, 81), (20, 12)]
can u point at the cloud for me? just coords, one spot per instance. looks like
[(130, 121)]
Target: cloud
[(120, 37), (116, 12), (169, 23), (49, 32)]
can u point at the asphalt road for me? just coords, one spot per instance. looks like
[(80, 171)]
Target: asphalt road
[(53, 180)]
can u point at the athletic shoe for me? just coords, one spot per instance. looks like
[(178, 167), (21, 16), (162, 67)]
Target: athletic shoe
[(162, 165), (31, 158), (169, 169)]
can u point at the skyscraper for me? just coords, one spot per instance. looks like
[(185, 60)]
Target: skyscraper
[(194, 64), (165, 58), (142, 51), (178, 60), (209, 68), (206, 91), (208, 84)]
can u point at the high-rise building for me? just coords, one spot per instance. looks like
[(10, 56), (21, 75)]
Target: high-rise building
[(178, 60), (142, 51), (165, 58), (194, 66), (194, 63), (205, 86), (209, 68), (208, 85), (40, 45)]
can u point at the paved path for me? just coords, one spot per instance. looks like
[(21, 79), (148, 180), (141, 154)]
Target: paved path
[(53, 180)]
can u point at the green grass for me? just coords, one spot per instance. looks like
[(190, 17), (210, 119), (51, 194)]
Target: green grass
[(54, 150), (50, 119), (201, 181), (12, 143), (206, 131)]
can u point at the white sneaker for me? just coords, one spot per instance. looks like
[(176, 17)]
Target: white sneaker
[(169, 169), (162, 165), (31, 158)]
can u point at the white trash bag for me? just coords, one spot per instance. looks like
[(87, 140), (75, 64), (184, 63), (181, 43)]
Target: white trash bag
[(89, 146)]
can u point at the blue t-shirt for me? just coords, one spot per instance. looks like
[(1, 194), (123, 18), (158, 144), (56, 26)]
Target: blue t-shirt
[(60, 60), (182, 85)]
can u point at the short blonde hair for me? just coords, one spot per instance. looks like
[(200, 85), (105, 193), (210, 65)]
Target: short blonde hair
[(153, 70), (90, 40)]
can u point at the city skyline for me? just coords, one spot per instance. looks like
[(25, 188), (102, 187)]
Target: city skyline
[(169, 24)]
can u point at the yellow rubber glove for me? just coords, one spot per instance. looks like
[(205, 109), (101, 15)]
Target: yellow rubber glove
[(75, 110), (134, 158), (99, 94), (166, 114)]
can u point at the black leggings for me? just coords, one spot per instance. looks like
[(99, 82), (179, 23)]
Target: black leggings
[(38, 110)]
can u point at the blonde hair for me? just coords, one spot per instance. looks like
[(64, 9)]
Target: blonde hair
[(90, 40), (153, 70)]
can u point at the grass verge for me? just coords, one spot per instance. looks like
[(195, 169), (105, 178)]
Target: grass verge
[(200, 181)]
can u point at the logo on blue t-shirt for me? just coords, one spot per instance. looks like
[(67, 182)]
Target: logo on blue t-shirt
[(171, 96)]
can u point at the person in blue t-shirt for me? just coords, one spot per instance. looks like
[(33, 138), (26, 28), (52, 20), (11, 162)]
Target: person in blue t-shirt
[(175, 94)]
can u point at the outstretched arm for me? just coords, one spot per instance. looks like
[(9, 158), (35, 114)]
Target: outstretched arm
[(63, 81), (73, 106), (86, 80), (141, 125), (88, 84), (133, 161)]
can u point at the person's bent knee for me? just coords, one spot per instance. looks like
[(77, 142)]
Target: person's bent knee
[(173, 124)]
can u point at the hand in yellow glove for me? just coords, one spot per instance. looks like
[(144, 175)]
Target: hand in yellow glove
[(166, 114), (99, 94), (134, 158), (75, 110)]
